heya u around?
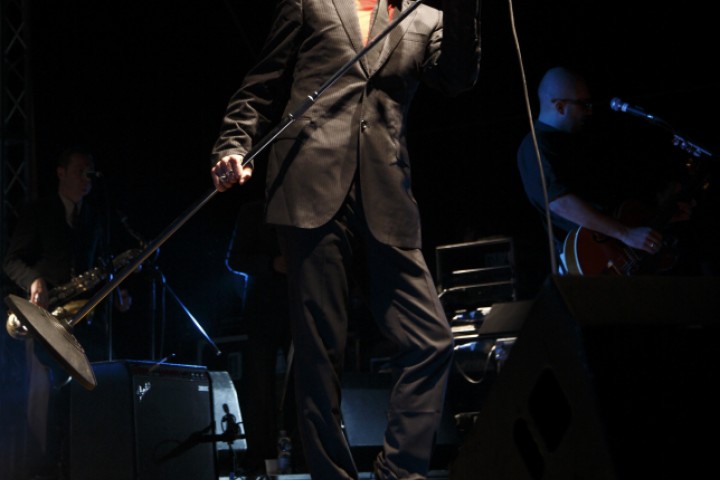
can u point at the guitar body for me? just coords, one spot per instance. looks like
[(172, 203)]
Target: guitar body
[(587, 252)]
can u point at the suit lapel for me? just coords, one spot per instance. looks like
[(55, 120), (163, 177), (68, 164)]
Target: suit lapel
[(397, 33), (348, 16)]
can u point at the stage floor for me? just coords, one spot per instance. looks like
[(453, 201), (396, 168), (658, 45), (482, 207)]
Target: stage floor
[(432, 475)]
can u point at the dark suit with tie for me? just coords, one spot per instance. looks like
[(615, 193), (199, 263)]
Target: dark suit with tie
[(339, 182), (44, 245)]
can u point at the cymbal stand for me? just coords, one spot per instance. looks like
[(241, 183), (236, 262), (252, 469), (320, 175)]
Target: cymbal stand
[(161, 294), (165, 289)]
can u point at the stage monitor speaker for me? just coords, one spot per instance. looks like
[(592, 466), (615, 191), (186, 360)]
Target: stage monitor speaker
[(364, 412), (609, 378), (229, 426), (143, 421), (226, 411)]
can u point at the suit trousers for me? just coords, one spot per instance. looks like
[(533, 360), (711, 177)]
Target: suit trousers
[(403, 301)]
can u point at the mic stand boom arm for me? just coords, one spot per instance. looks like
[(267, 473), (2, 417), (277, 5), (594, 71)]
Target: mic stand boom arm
[(59, 338), (264, 142)]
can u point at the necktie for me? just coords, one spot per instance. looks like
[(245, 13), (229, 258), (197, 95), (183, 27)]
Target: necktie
[(75, 215), (379, 23)]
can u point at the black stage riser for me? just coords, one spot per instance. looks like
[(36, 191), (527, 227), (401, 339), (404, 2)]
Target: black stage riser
[(609, 378)]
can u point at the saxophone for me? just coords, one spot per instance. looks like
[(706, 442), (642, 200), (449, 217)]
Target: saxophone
[(61, 304)]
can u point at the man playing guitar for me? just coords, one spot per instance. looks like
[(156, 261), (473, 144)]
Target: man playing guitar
[(577, 192), (57, 243)]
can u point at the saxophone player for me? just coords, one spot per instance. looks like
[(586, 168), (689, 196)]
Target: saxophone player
[(56, 239)]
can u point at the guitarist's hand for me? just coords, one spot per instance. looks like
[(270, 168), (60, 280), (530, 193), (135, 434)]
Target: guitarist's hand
[(642, 238)]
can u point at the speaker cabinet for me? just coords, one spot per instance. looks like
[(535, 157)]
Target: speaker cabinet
[(229, 425), (364, 412), (609, 378), (143, 421)]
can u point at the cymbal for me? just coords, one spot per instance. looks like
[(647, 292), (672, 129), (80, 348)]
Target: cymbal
[(57, 336)]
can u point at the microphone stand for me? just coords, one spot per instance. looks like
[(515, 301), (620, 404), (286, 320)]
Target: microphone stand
[(678, 140), (688, 146), (165, 289), (73, 358), (159, 278), (310, 99), (107, 258), (262, 144)]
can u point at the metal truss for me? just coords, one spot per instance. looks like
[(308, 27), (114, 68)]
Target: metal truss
[(16, 186), (16, 170)]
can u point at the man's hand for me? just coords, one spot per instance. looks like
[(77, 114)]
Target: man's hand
[(642, 238), (579, 211), (228, 171)]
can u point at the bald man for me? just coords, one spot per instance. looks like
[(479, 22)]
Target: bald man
[(580, 190)]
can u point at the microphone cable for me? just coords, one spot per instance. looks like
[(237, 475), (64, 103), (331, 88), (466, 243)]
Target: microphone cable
[(548, 221)]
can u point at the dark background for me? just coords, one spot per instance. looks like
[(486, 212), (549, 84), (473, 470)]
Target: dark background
[(145, 84)]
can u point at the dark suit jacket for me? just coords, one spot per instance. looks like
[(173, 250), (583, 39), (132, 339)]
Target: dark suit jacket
[(359, 124), (44, 245)]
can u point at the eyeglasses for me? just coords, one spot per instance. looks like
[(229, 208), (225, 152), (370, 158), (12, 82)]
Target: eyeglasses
[(586, 104)]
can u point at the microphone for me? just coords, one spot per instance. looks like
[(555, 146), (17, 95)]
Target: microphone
[(620, 106), (93, 174)]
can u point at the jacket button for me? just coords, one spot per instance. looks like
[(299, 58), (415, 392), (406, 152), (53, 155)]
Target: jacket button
[(363, 125)]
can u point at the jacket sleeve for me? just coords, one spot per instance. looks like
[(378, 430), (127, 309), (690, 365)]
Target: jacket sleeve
[(257, 104), (453, 61)]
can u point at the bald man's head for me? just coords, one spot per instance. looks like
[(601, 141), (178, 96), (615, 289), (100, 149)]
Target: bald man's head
[(564, 97)]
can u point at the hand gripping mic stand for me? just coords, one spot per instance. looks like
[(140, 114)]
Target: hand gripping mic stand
[(58, 336)]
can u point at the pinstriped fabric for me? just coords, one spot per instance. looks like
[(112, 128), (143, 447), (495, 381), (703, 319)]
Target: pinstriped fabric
[(357, 125), (340, 173)]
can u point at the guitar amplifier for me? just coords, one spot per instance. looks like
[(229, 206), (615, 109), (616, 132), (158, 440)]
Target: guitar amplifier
[(475, 274), (143, 421)]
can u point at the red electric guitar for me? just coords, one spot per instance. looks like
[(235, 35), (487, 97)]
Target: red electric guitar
[(587, 252)]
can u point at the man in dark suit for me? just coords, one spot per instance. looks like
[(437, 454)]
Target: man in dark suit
[(57, 238), (338, 181)]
